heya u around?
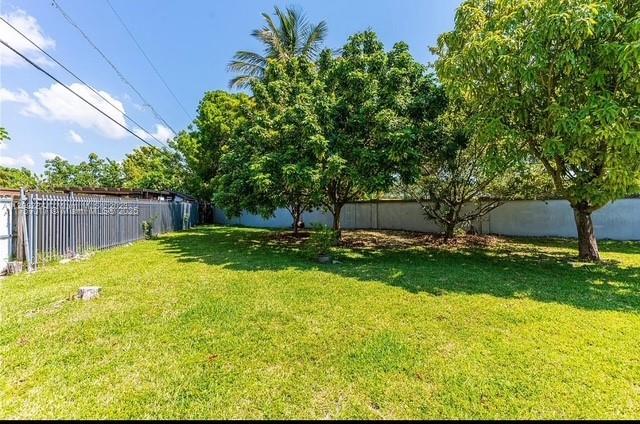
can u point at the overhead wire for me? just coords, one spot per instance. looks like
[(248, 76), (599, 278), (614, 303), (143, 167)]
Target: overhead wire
[(146, 103), (82, 81), (38, 67), (155, 69)]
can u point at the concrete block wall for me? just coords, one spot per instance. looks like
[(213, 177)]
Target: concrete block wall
[(619, 220)]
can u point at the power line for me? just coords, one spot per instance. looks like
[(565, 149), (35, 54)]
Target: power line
[(82, 81), (117, 71), (148, 59), (38, 67)]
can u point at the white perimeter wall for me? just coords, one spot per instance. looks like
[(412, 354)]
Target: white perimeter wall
[(619, 220)]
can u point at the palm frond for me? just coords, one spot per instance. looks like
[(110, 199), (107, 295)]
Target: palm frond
[(248, 69), (250, 57), (286, 34), (314, 36), (293, 27), (241, 81), (270, 35)]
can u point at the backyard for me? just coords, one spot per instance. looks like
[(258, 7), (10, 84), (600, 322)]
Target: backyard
[(240, 323)]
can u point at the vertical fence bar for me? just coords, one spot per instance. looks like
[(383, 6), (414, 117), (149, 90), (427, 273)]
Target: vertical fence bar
[(35, 231)]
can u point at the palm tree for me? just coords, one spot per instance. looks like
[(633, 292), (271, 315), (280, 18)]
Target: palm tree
[(293, 36)]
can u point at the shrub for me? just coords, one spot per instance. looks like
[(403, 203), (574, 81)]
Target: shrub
[(147, 229), (321, 240)]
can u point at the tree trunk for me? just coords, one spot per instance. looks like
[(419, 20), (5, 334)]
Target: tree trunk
[(587, 243), (336, 221), (450, 221), (296, 211), (449, 230)]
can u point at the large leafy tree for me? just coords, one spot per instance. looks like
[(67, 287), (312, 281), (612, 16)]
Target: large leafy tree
[(285, 35), (95, 172), (288, 136), (559, 80), (274, 161), (462, 179), (17, 178), (371, 116), (221, 116), (59, 173), (154, 169)]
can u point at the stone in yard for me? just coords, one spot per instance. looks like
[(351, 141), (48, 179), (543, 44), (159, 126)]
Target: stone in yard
[(14, 267), (89, 292)]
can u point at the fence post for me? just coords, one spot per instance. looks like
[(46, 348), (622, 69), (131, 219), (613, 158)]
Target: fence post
[(34, 230), (25, 244), (72, 224)]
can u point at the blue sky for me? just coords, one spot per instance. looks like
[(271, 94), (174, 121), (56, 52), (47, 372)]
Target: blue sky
[(190, 42)]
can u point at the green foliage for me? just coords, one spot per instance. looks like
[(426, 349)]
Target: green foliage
[(456, 179), (462, 179), (154, 169), (221, 117), (320, 242), (559, 80), (279, 167), (147, 228), (95, 172), (372, 115), (4, 135), (17, 178), (290, 35), (287, 137)]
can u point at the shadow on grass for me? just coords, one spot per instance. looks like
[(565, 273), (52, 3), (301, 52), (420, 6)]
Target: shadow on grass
[(506, 271)]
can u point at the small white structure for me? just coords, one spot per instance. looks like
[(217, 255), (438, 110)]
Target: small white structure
[(89, 292), (5, 232)]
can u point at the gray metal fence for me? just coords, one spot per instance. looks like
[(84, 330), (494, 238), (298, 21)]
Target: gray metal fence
[(59, 225)]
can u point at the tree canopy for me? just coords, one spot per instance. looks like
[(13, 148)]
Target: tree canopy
[(154, 169), (274, 161), (372, 115), (17, 178), (559, 80), (95, 172), (220, 117)]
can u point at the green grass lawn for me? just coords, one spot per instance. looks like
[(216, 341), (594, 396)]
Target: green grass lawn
[(225, 323)]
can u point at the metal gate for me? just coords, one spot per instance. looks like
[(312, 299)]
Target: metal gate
[(6, 232)]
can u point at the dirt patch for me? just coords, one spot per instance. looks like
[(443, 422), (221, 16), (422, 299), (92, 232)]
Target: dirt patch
[(389, 239), (288, 238)]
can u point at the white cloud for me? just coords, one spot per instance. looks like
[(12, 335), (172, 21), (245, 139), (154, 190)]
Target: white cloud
[(29, 26), (50, 155), (161, 133), (75, 137), (13, 162), (19, 96), (56, 103)]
